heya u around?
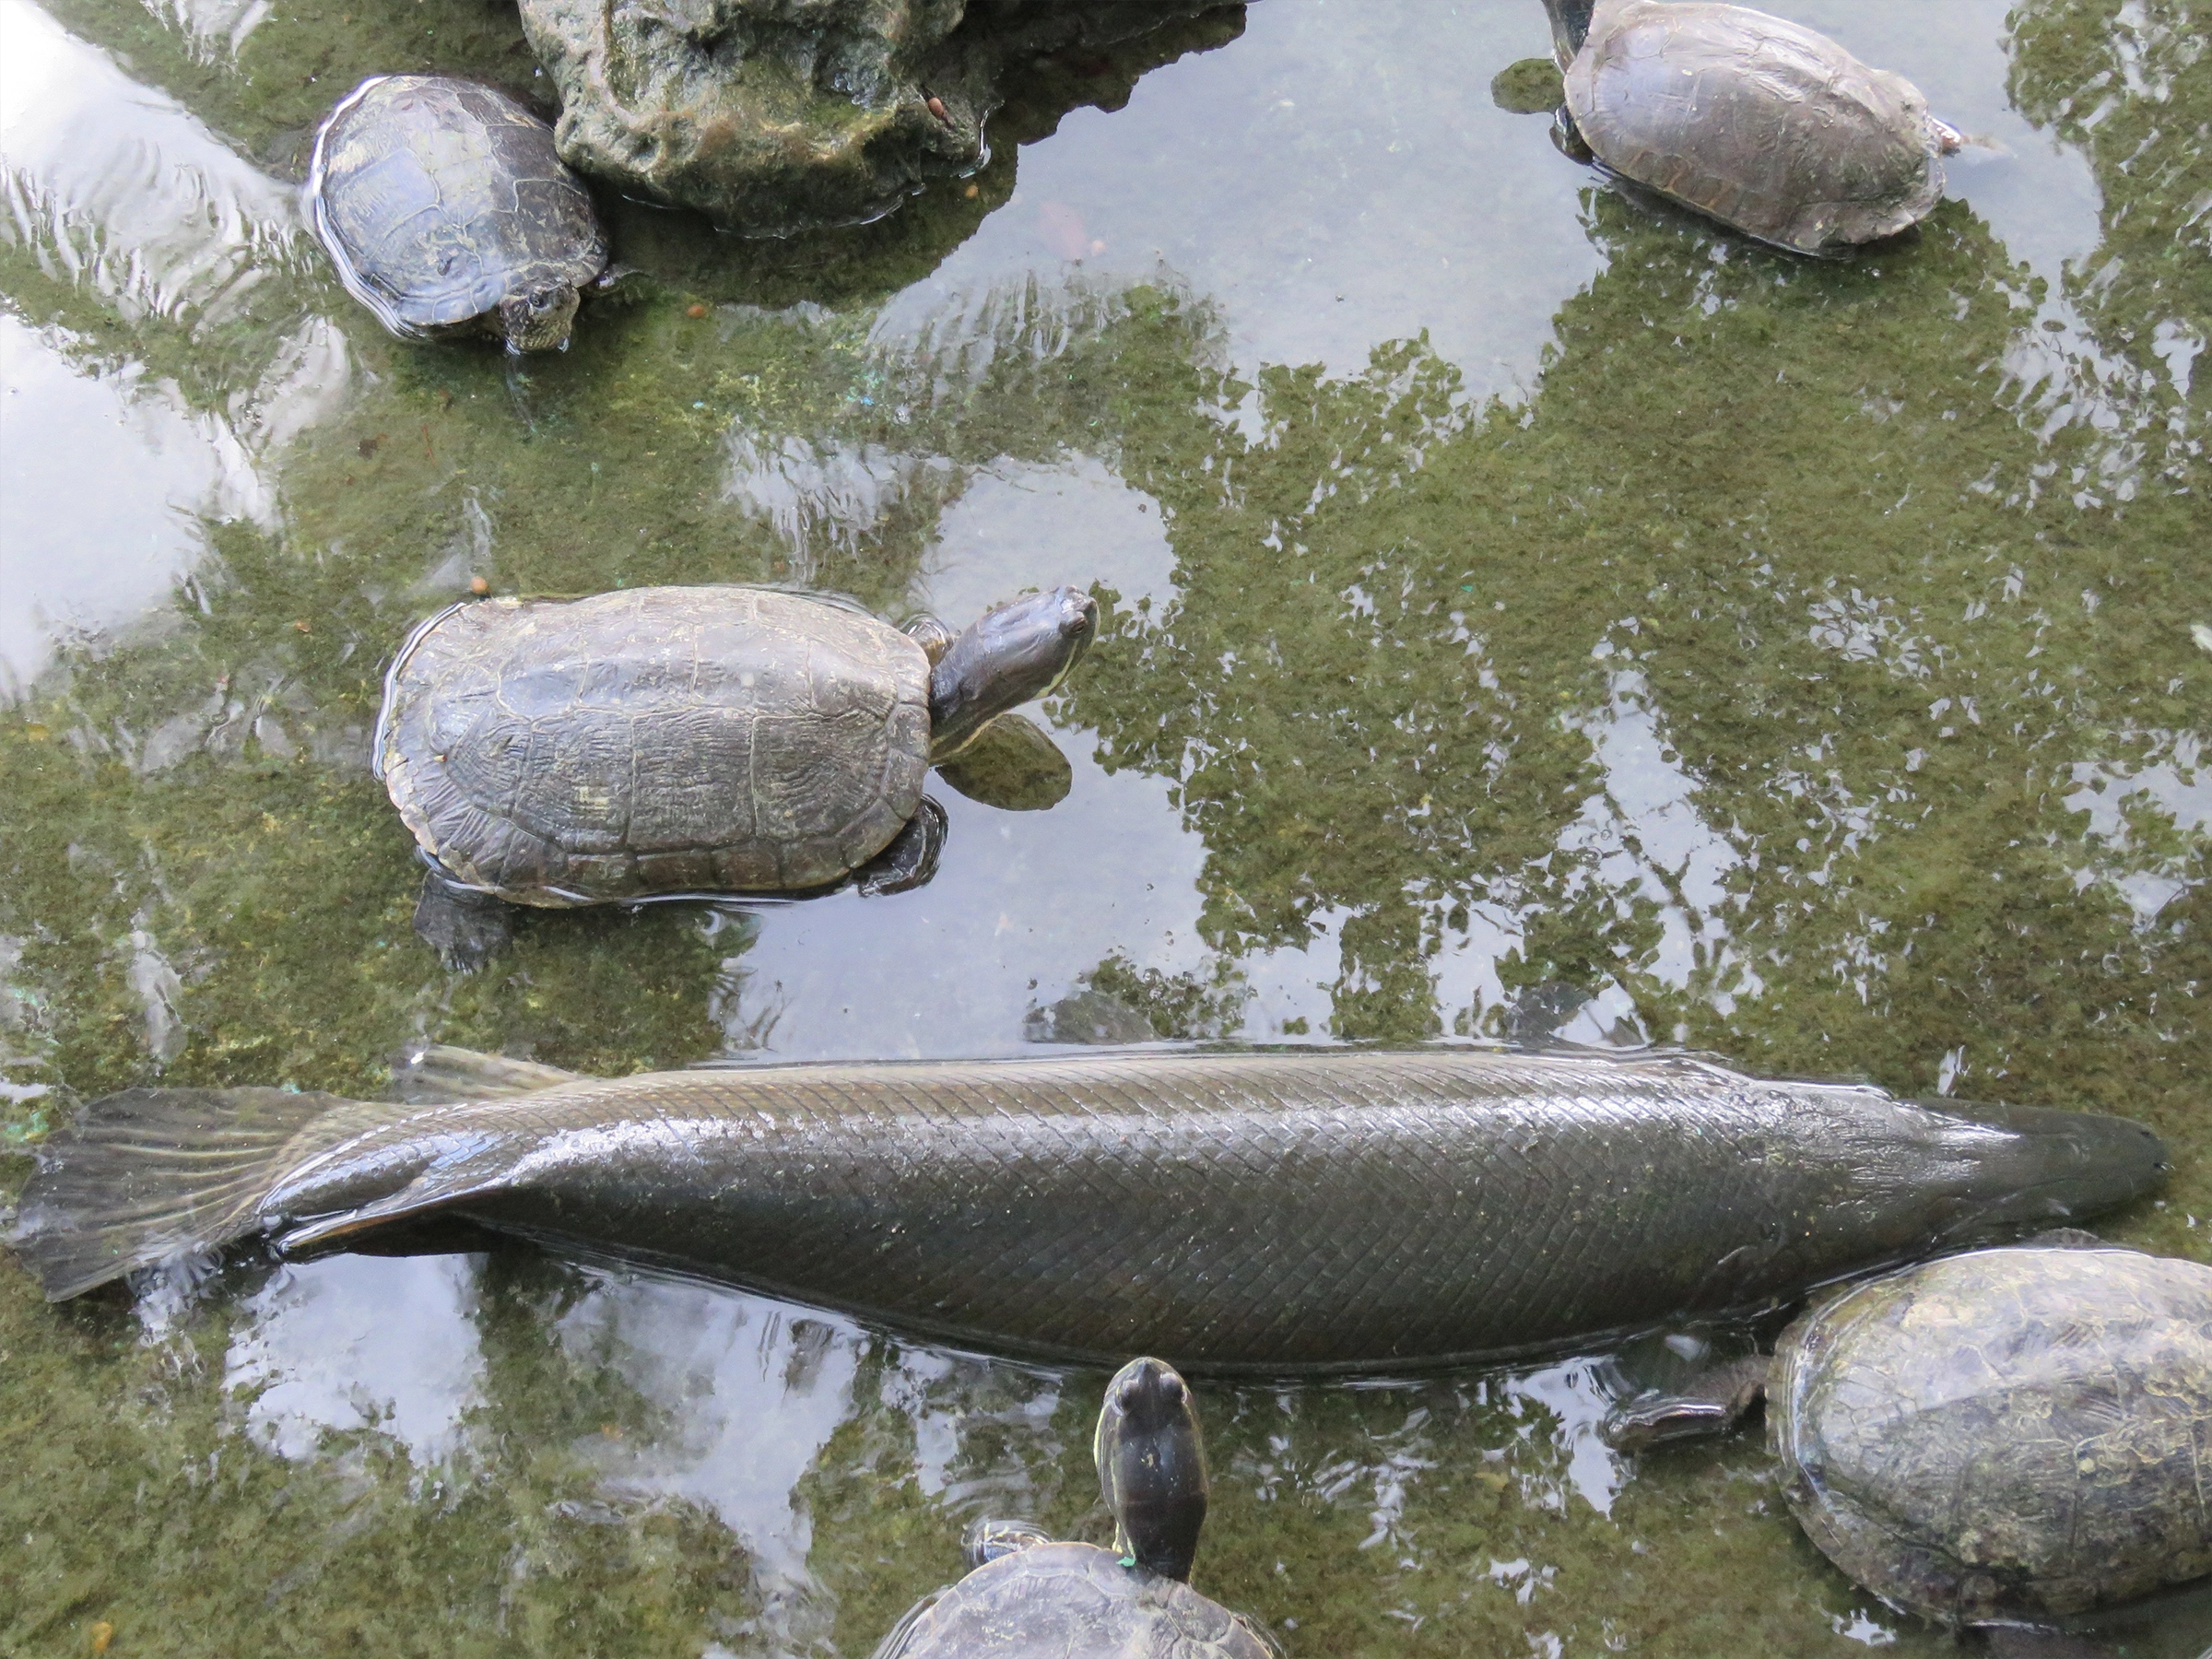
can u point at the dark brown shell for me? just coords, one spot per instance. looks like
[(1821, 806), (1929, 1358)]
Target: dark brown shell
[(438, 198), (2009, 1434), (654, 741), (1073, 1601), (1759, 123)]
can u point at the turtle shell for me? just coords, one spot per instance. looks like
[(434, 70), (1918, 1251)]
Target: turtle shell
[(1075, 1601), (654, 741), (1763, 124), (2006, 1435), (438, 198)]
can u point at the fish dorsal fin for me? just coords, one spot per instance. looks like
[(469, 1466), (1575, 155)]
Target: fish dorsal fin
[(434, 1074)]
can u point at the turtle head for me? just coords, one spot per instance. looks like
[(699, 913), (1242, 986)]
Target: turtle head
[(539, 318), (1152, 1467), (1020, 650)]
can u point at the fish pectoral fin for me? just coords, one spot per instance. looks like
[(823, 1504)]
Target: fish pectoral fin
[(437, 1074)]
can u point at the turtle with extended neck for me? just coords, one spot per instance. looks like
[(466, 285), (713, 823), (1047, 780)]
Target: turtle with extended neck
[(1998, 1440), (672, 742), (1754, 120), (1030, 1595)]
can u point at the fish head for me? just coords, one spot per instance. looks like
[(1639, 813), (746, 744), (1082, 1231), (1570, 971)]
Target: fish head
[(1151, 1462), (2049, 1169), (1980, 1174)]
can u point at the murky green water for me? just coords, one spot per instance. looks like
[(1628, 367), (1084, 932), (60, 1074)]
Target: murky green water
[(1535, 613)]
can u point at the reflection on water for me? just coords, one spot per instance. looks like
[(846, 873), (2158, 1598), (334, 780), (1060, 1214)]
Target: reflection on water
[(317, 1355), (1587, 627)]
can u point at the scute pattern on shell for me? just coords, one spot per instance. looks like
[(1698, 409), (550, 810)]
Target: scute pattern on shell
[(656, 740), (1073, 1601), (1765, 125), (2012, 1434), (438, 198)]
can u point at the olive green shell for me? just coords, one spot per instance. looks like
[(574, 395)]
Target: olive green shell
[(2010, 1434), (1761, 124), (1072, 1601), (438, 199), (654, 741)]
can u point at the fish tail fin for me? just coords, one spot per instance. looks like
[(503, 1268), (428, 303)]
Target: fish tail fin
[(153, 1174)]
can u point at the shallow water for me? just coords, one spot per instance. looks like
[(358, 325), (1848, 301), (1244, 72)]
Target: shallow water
[(1534, 612)]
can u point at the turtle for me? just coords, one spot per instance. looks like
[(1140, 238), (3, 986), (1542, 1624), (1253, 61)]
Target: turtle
[(1028, 1594), (674, 742), (2001, 1439), (447, 211), (1754, 120)]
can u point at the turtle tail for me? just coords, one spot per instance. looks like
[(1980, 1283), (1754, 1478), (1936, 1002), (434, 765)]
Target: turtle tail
[(152, 1174)]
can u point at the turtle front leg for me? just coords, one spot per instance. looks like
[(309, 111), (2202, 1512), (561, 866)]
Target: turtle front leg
[(987, 1539), (465, 928), (911, 858), (1567, 137), (1712, 1405)]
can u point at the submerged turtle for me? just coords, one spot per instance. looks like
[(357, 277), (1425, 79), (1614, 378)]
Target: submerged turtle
[(1029, 1595), (1759, 122), (447, 211), (667, 741), (2002, 1437)]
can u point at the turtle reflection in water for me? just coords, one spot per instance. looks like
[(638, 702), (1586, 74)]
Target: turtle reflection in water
[(1999, 1439), (447, 211), (1030, 1595), (1756, 122), (671, 742)]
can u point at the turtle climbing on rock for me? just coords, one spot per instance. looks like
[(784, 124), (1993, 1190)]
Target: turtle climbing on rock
[(1999, 1439), (447, 211), (1029, 1595), (667, 742), (1754, 120)]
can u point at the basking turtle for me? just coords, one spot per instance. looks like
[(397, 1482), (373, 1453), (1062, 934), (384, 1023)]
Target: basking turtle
[(1029, 1595), (668, 741), (1759, 122), (447, 211), (2001, 1437)]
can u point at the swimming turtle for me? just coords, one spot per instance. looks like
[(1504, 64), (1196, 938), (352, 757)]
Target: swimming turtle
[(2006, 1436), (1759, 122), (1029, 1595), (667, 741), (447, 211)]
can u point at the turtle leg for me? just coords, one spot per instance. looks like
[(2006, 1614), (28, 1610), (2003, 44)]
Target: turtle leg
[(933, 634), (1567, 137), (1712, 1405), (465, 928), (910, 859), (987, 1539)]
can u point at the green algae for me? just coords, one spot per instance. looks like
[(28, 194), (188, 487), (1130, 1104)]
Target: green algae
[(1788, 543)]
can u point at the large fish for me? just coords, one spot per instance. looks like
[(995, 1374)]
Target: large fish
[(1271, 1212)]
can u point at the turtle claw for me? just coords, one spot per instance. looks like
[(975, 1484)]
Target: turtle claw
[(911, 858)]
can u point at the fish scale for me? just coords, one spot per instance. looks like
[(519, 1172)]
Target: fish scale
[(1273, 1211)]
